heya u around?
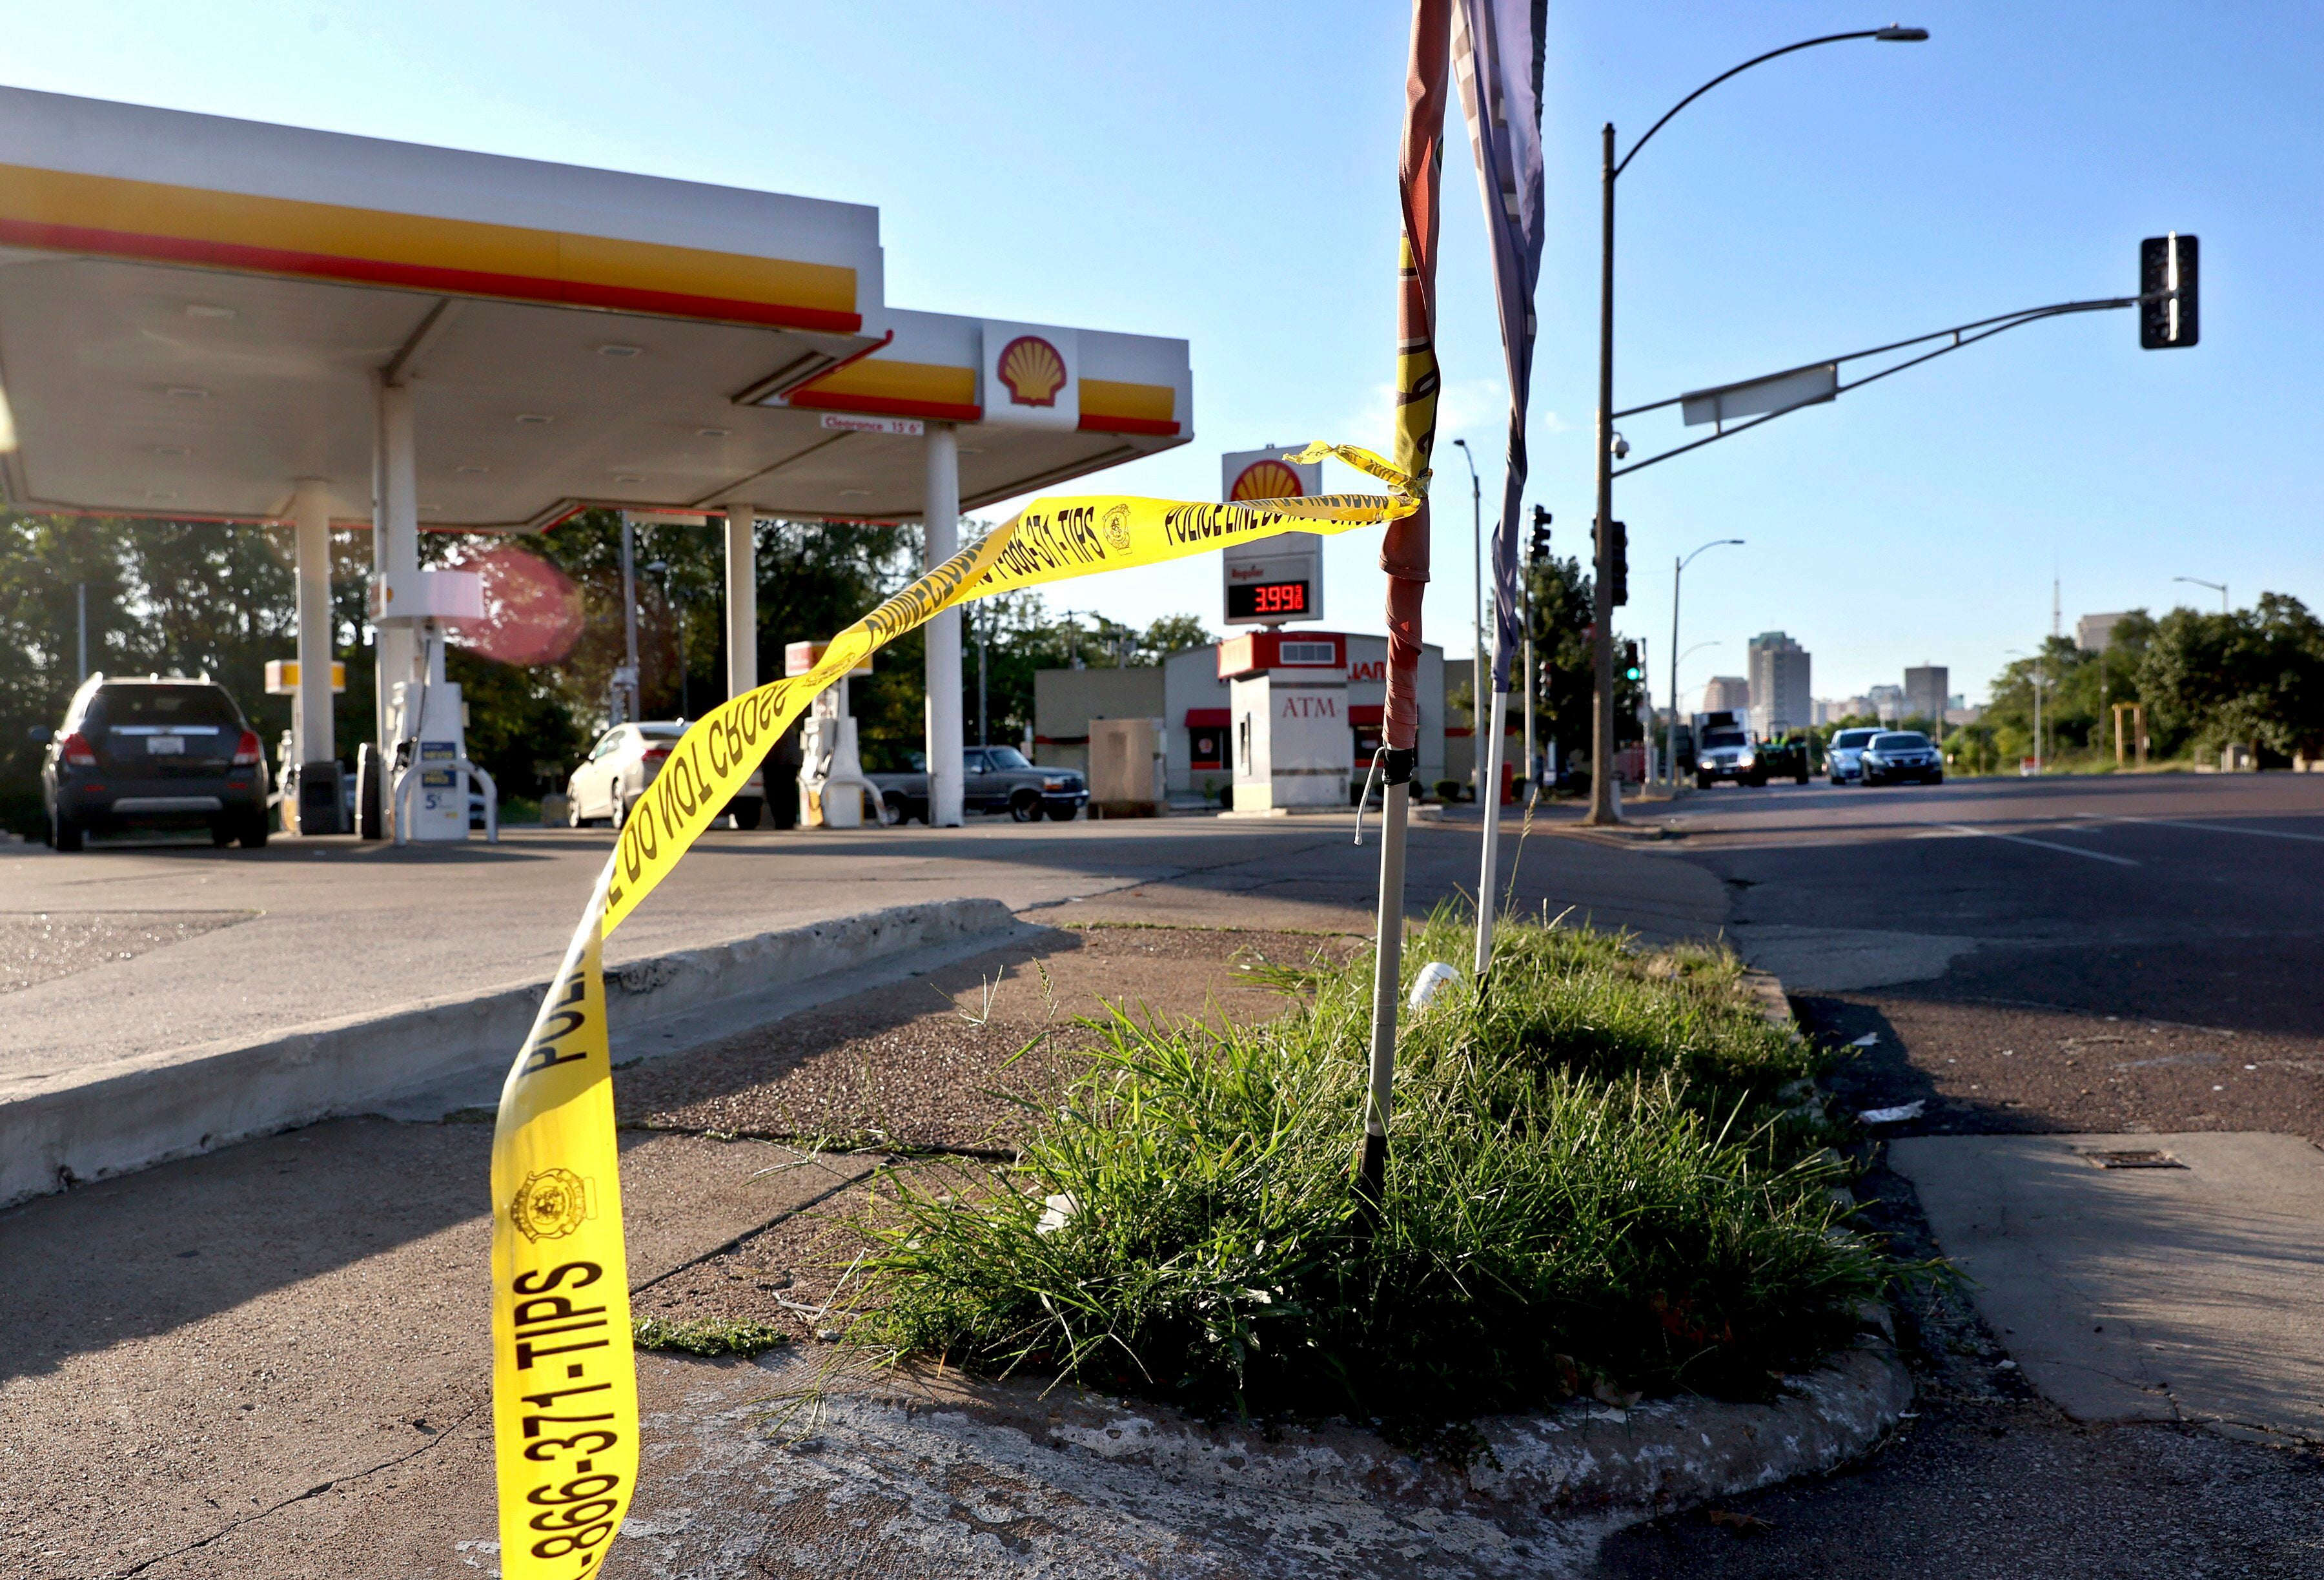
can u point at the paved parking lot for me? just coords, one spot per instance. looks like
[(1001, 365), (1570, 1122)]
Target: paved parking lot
[(166, 949)]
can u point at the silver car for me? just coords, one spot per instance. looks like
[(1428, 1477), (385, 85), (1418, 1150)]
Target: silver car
[(1845, 755), (624, 762)]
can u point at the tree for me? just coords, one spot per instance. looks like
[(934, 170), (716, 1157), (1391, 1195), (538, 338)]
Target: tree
[(2253, 677)]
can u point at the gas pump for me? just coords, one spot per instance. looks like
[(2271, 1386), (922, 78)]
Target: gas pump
[(428, 766), (832, 786)]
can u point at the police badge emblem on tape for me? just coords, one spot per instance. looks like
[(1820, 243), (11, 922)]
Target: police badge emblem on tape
[(565, 1403)]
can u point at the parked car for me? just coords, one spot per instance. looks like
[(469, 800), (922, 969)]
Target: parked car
[(153, 751), (624, 762), (1785, 757), (993, 779), (1896, 755), (1845, 753)]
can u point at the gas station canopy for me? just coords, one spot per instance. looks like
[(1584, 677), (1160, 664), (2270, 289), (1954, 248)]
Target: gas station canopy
[(196, 313)]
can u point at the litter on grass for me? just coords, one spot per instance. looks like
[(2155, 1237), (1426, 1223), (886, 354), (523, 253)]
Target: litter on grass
[(1869, 1040), (1896, 1115), (1432, 979)]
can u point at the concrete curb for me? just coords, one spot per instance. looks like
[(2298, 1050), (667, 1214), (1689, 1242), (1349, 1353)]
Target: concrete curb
[(87, 1125), (1616, 1467)]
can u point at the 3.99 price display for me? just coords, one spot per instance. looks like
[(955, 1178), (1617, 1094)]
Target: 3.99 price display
[(1267, 599)]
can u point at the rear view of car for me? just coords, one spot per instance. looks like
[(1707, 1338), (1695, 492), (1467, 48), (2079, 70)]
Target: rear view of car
[(1895, 756), (154, 753)]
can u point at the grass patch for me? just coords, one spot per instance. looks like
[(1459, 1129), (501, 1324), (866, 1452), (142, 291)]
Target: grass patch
[(715, 1337), (1597, 1183)]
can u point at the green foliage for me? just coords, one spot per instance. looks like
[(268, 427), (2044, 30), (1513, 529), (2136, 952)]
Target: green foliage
[(711, 1336), (1594, 1178), (2253, 677), (1562, 594)]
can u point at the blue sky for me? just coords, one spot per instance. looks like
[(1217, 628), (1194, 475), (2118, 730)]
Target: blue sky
[(1226, 173)]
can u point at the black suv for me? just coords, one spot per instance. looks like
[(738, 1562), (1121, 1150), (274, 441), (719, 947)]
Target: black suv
[(159, 753)]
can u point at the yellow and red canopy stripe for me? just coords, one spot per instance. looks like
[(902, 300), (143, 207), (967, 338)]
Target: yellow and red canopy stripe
[(110, 217)]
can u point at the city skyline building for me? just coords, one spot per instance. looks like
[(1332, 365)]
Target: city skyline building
[(1780, 695), (1727, 694), (2094, 634), (1926, 692)]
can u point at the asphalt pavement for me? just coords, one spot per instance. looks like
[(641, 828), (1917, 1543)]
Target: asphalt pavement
[(2123, 1384), (149, 949)]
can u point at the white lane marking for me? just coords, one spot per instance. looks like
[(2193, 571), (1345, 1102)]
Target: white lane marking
[(2227, 828), (2096, 855)]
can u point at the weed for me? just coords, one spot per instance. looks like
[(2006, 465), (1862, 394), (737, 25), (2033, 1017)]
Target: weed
[(1593, 1187), (715, 1336)]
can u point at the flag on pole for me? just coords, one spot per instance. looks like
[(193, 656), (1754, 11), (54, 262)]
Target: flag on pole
[(1497, 51), (1403, 549)]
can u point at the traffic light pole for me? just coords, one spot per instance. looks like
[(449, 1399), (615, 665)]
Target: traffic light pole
[(1602, 808)]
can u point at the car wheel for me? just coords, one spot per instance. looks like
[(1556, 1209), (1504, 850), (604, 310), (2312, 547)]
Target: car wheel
[(1938, 777), (621, 810), (893, 810), (573, 818), (747, 810), (1802, 779), (1703, 782), (64, 834), (1062, 813), (221, 834), (1024, 807), (253, 832)]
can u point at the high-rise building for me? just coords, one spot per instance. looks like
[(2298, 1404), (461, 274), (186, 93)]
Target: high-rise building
[(1727, 694), (1924, 692), (1887, 702), (2094, 634), (1781, 697)]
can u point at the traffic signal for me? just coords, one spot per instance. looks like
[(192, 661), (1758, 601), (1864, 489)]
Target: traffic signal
[(1618, 568), (1630, 668), (2167, 318), (1539, 548)]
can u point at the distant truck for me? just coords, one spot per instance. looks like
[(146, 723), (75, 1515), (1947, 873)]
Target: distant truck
[(1723, 749), (995, 779)]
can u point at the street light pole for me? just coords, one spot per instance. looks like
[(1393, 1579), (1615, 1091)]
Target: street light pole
[(2219, 588), (1477, 673), (1601, 715), (1670, 730)]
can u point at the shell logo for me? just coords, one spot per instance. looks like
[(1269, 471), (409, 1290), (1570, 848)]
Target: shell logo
[(1266, 480), (1033, 369)]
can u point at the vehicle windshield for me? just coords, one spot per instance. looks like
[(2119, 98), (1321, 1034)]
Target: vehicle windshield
[(1723, 738), (1853, 738), (1006, 757), (183, 707), (1901, 741)]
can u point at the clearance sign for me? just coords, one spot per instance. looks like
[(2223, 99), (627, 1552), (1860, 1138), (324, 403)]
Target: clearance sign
[(564, 1408)]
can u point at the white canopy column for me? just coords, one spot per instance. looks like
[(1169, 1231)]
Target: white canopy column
[(742, 599), (946, 746), (310, 723), (395, 540)]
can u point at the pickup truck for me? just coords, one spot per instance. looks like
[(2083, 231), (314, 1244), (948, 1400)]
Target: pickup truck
[(994, 778)]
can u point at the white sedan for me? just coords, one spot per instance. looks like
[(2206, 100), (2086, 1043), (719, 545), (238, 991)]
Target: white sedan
[(623, 763)]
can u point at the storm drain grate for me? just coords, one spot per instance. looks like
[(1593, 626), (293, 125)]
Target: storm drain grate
[(2145, 1159)]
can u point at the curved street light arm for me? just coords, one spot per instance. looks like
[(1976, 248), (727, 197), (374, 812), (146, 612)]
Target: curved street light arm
[(1872, 32), (1961, 335)]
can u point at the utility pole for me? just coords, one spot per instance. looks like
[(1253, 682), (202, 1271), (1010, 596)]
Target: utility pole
[(625, 681), (80, 649), (1477, 671), (983, 636)]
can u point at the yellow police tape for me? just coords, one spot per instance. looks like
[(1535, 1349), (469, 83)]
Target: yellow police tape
[(565, 1409)]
